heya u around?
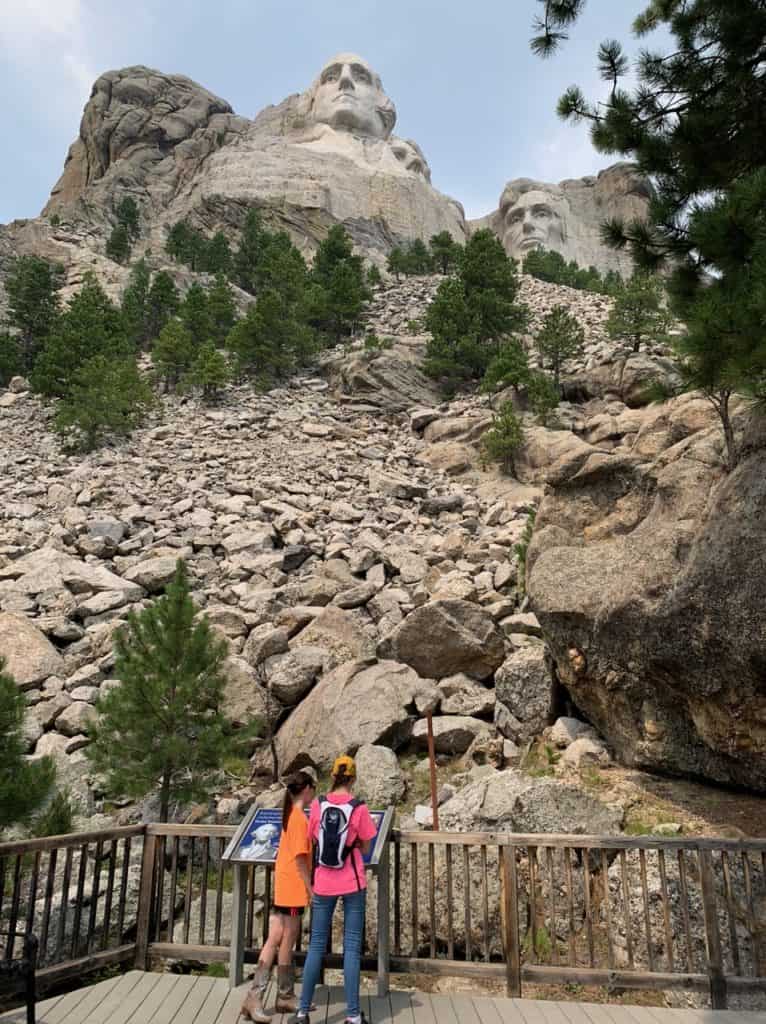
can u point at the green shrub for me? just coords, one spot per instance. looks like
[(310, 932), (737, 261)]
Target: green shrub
[(58, 817), (108, 397), (504, 438)]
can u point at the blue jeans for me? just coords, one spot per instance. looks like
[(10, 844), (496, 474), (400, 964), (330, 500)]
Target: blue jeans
[(322, 910)]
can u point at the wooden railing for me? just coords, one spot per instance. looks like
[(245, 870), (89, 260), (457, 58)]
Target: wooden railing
[(616, 912), (77, 894)]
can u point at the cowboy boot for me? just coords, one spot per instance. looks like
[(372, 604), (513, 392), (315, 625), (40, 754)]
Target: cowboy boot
[(286, 998), (252, 1007)]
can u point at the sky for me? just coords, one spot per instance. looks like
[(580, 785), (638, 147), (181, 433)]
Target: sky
[(460, 72)]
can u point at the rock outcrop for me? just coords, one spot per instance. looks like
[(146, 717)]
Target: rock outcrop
[(648, 574), (567, 217), (321, 157)]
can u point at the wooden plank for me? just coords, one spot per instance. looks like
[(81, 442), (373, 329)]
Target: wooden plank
[(213, 1004), (423, 1011), (379, 1011), (154, 999), (172, 1007), (73, 840), (509, 916), (574, 1013), (464, 1010), (561, 840), (195, 999), (443, 1010), (71, 1000), (145, 893), (335, 1007), (230, 1010), (108, 1008), (77, 968), (401, 1007), (487, 1010), (507, 1012), (715, 965), (529, 1011), (96, 997), (19, 1015), (133, 1001)]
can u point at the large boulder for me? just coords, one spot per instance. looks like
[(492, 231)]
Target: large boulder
[(649, 581), (442, 638), (380, 779), (357, 703), (29, 655), (510, 801), (523, 689), (49, 569), (340, 633), (453, 734)]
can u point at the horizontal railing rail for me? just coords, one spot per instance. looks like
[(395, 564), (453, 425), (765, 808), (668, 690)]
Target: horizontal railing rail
[(642, 912)]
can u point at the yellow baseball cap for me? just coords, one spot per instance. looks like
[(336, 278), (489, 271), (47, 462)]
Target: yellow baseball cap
[(344, 764)]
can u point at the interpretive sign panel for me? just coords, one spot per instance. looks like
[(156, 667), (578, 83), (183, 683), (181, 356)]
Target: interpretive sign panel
[(257, 838)]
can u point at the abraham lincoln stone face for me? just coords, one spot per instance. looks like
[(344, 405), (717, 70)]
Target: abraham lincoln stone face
[(534, 220), (349, 96)]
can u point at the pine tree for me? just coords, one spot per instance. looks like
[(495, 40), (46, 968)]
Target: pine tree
[(163, 724), (172, 354), (340, 275), (638, 315), (222, 309), (474, 313), (195, 314), (91, 325), (218, 258), (693, 125), (444, 251), (135, 305), (179, 244), (504, 438), (396, 262), (107, 397), (209, 373), (162, 303), (118, 244), (10, 359), (128, 216), (24, 784), (374, 277), (268, 339), (248, 254), (561, 337), (417, 258), (508, 369), (32, 287)]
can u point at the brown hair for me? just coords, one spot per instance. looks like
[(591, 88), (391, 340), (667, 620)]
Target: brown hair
[(294, 784), (342, 778)]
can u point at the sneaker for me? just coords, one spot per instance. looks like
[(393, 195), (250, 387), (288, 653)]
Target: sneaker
[(361, 1019), (300, 1018)]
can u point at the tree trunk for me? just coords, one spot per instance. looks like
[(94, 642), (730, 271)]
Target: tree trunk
[(728, 433)]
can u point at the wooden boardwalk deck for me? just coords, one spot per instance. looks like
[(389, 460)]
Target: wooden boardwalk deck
[(145, 998)]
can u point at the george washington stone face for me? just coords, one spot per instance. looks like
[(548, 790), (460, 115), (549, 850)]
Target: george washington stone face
[(348, 96)]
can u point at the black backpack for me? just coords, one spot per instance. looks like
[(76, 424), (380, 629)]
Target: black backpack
[(333, 848)]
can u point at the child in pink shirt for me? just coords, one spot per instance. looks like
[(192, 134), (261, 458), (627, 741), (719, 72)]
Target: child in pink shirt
[(346, 881)]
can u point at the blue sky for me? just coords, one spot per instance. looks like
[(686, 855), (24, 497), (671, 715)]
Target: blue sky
[(461, 74)]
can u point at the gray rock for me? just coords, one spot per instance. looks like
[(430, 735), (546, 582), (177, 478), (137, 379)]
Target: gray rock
[(76, 718), (264, 642), (354, 705), (380, 779), (340, 633), (29, 656), (443, 638), (153, 574), (523, 686), (453, 734), (461, 695), (292, 674)]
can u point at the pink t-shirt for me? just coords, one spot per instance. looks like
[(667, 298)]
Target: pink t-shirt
[(341, 881)]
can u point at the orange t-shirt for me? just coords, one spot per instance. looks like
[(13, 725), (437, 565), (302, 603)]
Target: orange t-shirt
[(289, 889)]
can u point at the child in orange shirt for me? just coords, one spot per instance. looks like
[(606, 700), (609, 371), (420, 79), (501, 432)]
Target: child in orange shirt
[(292, 894)]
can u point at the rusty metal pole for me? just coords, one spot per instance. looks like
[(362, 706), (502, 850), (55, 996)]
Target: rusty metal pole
[(432, 765)]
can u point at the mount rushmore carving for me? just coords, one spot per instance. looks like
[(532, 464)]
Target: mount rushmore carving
[(323, 156)]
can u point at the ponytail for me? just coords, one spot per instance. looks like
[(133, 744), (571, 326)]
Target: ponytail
[(294, 784), (341, 779)]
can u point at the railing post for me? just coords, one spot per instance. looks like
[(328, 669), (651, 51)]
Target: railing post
[(384, 921), (509, 913), (718, 994), (145, 901), (237, 950)]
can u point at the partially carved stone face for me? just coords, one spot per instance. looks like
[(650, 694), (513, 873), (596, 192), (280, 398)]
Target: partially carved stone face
[(349, 96), (411, 156), (533, 220)]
